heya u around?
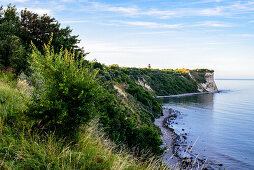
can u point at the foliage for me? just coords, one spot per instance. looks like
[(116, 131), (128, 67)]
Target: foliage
[(202, 70), (18, 30), (68, 94), (199, 75), (65, 92), (146, 97), (11, 100), (24, 149), (164, 82), (37, 29), (12, 52)]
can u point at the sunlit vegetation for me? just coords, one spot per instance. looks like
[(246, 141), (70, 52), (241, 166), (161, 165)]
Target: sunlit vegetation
[(60, 111)]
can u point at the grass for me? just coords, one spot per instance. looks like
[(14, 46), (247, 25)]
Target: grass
[(21, 148)]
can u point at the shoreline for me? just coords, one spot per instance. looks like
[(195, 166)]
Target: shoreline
[(169, 138), (187, 94), (175, 143)]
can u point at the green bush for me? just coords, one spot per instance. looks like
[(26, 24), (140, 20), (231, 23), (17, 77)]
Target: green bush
[(65, 93)]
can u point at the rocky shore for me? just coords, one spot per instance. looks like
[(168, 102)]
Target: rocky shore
[(168, 137), (178, 155)]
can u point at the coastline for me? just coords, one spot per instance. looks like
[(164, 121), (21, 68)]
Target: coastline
[(168, 136), (175, 144), (187, 94)]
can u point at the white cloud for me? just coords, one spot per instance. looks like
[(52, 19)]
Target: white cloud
[(125, 10), (20, 1), (39, 11), (72, 21), (218, 11), (230, 9), (151, 24), (214, 24), (246, 35), (67, 0), (133, 11), (159, 13)]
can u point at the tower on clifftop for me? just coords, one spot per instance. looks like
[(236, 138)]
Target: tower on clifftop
[(149, 66)]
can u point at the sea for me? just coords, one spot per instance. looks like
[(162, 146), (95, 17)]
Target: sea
[(219, 125)]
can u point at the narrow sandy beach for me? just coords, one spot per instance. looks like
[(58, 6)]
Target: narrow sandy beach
[(167, 137)]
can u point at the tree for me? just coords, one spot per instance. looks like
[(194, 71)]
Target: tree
[(17, 31), (12, 52), (37, 29)]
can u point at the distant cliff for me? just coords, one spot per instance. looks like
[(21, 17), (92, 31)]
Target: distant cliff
[(171, 82), (205, 80)]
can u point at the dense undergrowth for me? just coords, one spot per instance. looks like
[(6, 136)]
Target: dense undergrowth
[(22, 147), (43, 123)]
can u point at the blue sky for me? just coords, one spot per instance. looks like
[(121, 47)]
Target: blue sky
[(213, 34)]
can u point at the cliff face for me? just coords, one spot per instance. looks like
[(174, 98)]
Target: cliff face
[(210, 85), (172, 82), (205, 81)]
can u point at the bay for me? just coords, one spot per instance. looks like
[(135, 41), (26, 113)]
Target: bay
[(222, 123)]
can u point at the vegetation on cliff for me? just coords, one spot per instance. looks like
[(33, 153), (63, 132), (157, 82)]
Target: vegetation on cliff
[(164, 82), (22, 147), (60, 111), (63, 95)]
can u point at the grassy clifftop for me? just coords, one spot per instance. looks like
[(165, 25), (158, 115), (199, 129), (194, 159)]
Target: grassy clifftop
[(167, 81)]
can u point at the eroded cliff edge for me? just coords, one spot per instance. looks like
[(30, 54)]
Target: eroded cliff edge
[(173, 82), (205, 80)]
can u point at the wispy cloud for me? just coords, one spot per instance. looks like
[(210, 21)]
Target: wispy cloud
[(151, 24), (72, 21), (20, 1), (246, 35), (125, 10), (133, 11), (39, 11), (218, 11), (231, 8), (214, 24)]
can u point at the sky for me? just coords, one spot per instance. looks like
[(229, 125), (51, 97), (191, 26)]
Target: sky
[(213, 34)]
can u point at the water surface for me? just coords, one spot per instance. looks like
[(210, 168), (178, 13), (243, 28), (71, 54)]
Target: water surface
[(223, 123)]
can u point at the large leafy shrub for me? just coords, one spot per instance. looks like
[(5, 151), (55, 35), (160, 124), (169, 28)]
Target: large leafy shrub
[(65, 93)]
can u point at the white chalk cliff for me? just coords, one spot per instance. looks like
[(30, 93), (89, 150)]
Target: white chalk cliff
[(209, 85)]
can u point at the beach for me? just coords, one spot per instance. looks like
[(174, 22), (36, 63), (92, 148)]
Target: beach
[(168, 138)]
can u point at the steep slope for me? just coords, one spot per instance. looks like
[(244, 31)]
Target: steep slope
[(205, 80), (171, 82)]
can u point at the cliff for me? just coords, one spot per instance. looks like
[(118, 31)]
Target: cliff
[(204, 79), (172, 82)]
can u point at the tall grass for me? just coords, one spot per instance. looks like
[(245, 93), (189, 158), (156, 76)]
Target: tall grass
[(21, 148)]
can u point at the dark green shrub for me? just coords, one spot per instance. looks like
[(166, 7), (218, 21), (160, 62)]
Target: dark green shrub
[(65, 91), (145, 137)]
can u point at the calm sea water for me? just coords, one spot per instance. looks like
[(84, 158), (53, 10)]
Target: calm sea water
[(223, 123)]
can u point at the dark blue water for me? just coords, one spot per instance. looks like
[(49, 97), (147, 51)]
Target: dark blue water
[(223, 123)]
